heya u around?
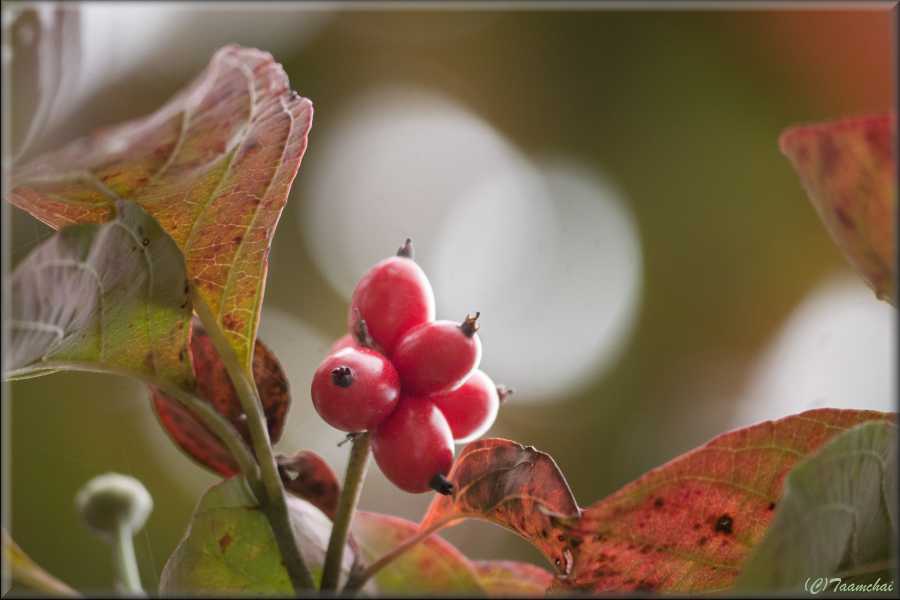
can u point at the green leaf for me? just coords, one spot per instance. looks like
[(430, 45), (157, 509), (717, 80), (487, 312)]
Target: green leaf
[(848, 169), (838, 515), (433, 566), (30, 574), (108, 297), (503, 578), (213, 166), (229, 547)]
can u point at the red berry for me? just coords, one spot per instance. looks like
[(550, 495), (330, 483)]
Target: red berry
[(354, 389), (471, 408), (414, 446), (392, 297), (437, 356)]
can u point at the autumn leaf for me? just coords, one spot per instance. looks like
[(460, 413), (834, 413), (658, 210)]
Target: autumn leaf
[(689, 525), (433, 566), (838, 515), (306, 475), (213, 385), (514, 486), (108, 297), (504, 578), (213, 166), (848, 170)]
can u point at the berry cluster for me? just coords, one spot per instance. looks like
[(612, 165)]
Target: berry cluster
[(411, 380)]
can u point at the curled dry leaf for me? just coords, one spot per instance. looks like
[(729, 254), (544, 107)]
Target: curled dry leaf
[(689, 525), (848, 168), (511, 485), (213, 385), (213, 166), (307, 475)]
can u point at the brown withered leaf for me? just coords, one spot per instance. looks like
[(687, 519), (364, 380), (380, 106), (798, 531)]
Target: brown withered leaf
[(307, 475), (511, 485), (504, 578), (213, 166), (848, 168), (213, 385), (689, 525)]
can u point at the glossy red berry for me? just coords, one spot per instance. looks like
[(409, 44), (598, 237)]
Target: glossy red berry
[(414, 446), (355, 388), (437, 356), (471, 408), (392, 297)]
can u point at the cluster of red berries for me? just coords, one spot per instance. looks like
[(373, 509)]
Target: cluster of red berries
[(409, 379)]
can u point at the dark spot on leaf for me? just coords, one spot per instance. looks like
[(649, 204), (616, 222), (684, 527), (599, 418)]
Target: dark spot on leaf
[(575, 542), (646, 548), (224, 542), (238, 239), (696, 526), (658, 503), (724, 524), (145, 242), (771, 506), (702, 541), (645, 586), (844, 218)]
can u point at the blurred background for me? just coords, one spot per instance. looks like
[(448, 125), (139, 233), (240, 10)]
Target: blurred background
[(604, 186)]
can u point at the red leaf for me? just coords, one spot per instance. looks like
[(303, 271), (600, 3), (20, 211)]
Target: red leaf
[(307, 475), (214, 386), (213, 167), (514, 486), (688, 525), (848, 170), (505, 578)]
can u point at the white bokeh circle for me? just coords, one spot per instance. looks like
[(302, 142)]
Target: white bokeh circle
[(836, 350)]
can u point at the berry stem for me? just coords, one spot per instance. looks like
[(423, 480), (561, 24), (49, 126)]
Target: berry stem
[(127, 574), (469, 325), (274, 501), (359, 579), (406, 250), (350, 492)]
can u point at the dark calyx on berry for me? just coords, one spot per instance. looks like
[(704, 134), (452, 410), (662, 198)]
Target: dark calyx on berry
[(469, 326), (361, 331), (504, 392), (406, 250), (441, 485), (342, 376)]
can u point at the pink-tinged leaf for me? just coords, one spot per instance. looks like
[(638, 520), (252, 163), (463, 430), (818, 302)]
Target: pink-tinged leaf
[(306, 475), (689, 525), (214, 166), (433, 566), (213, 385), (504, 578), (511, 485), (848, 168)]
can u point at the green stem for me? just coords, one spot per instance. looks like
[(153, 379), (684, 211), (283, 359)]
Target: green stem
[(274, 503), (126, 567), (340, 530), (222, 429)]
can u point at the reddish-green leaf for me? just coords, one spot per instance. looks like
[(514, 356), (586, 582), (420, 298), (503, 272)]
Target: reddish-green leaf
[(307, 475), (214, 386), (514, 486), (848, 170), (688, 526), (433, 566), (510, 578), (213, 166)]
